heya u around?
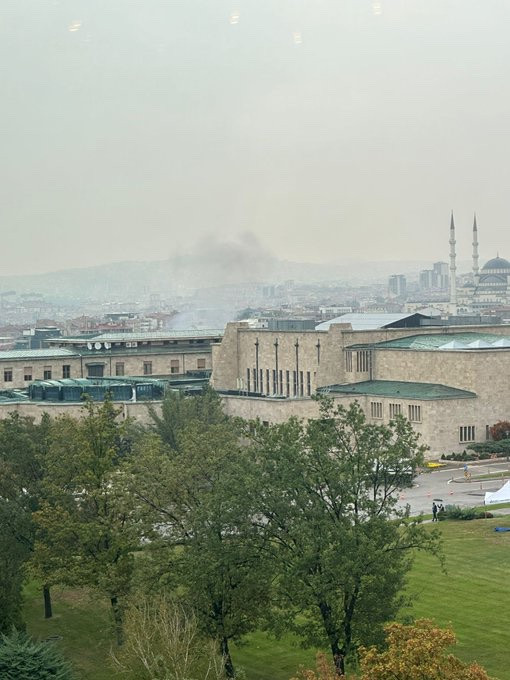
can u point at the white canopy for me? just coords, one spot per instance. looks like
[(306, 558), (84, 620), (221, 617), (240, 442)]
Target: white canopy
[(501, 496)]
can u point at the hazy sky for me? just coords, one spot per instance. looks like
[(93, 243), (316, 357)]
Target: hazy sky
[(131, 129)]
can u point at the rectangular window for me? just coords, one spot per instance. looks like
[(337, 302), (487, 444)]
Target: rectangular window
[(248, 380), (27, 373), (287, 381), (268, 388), (200, 364), (95, 371), (261, 378), (295, 383), (348, 361), (466, 433), (308, 384), (66, 371), (174, 365), (47, 373), (147, 367), (376, 409), (487, 432), (395, 410), (362, 361), (119, 368), (301, 386), (414, 413), (255, 385), (275, 382), (8, 375), (280, 382)]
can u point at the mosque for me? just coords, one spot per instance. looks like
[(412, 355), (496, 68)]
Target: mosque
[(490, 286)]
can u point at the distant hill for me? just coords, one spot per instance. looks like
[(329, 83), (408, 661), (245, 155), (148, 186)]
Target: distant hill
[(182, 274)]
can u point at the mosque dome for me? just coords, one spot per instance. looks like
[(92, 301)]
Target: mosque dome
[(496, 263)]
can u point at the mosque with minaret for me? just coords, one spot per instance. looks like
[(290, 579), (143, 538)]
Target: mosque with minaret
[(490, 285)]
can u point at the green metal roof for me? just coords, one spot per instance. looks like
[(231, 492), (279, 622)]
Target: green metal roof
[(432, 341), (56, 353), (399, 390)]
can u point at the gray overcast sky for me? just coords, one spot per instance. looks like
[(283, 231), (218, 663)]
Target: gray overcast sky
[(329, 128)]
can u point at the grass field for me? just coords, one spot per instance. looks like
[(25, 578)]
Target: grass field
[(474, 596)]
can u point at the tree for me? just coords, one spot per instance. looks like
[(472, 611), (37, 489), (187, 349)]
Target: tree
[(416, 652), (21, 471), (198, 501), (89, 533), (327, 494), (500, 430), (163, 642), (22, 658), (325, 670), (178, 411), (13, 556)]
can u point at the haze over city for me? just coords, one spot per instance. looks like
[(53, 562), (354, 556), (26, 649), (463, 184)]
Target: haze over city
[(331, 130)]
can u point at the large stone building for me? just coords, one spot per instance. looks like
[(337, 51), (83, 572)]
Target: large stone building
[(450, 381), (165, 353)]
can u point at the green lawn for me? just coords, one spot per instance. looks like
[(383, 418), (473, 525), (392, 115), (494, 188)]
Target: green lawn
[(474, 596)]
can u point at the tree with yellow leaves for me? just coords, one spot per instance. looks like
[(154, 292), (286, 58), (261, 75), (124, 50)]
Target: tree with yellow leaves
[(417, 652)]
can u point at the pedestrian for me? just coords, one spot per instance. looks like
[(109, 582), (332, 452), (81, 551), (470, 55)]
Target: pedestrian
[(434, 512)]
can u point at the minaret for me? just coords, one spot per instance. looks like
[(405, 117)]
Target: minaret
[(476, 271), (453, 270)]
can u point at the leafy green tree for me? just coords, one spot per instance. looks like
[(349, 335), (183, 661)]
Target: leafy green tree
[(89, 533), (13, 556), (22, 658), (21, 471), (198, 505), (178, 411), (328, 492)]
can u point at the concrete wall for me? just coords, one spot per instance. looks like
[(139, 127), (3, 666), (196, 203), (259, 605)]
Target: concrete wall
[(35, 409), (440, 419)]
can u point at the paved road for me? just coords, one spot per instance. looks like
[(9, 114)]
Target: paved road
[(439, 484)]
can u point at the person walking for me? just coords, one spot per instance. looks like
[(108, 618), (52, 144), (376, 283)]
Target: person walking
[(434, 512)]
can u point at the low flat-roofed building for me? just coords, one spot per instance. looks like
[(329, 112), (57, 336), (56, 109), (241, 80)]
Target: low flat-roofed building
[(163, 353)]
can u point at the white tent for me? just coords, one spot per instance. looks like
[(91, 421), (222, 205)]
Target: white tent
[(501, 496)]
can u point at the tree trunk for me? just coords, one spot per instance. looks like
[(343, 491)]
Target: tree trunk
[(329, 627), (117, 617), (48, 612), (227, 659)]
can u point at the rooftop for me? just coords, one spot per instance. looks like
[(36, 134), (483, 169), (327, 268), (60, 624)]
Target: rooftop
[(433, 341), (399, 390), (57, 353), (360, 322), (143, 337)]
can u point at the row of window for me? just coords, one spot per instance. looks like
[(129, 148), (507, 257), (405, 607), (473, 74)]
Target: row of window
[(413, 411), (285, 383), (28, 373), (96, 371), (363, 361), (466, 432)]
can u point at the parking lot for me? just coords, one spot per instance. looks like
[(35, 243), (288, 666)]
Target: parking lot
[(451, 487)]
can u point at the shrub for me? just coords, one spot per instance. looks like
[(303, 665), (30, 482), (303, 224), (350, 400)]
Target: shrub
[(500, 430), (22, 658), (456, 512)]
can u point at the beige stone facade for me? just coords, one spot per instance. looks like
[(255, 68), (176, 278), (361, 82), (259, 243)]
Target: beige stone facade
[(288, 367)]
